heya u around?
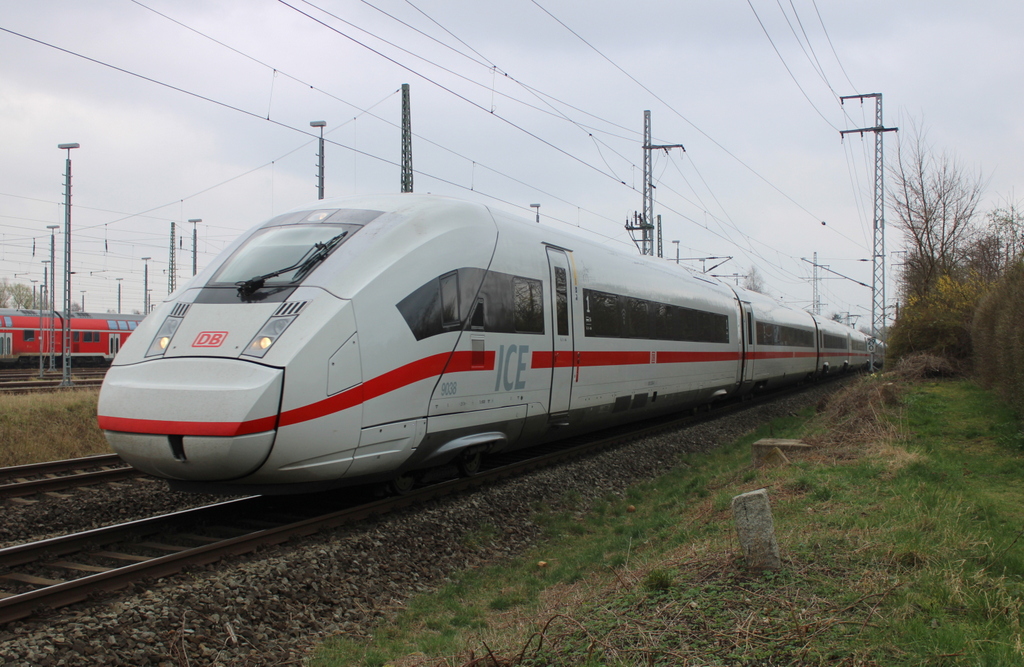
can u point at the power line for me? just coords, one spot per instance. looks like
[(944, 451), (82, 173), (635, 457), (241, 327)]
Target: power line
[(680, 115), (788, 70), (450, 91), (831, 45)]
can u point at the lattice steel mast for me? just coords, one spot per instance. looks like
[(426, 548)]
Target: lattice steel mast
[(644, 223), (172, 269), (406, 140), (878, 249)]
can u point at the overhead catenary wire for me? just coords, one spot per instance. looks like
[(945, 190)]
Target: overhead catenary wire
[(597, 142), (253, 115), (675, 111)]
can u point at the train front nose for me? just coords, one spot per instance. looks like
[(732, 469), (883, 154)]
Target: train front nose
[(194, 419)]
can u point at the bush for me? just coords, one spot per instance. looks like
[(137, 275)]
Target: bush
[(938, 323), (998, 331)]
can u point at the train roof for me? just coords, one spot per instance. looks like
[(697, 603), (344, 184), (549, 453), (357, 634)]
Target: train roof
[(25, 312)]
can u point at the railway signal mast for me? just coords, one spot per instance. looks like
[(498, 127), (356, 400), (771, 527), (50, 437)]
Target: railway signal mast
[(644, 223), (878, 252)]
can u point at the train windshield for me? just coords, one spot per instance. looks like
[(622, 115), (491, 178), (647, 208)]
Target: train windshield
[(281, 256)]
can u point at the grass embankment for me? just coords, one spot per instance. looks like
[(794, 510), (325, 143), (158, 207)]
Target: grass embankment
[(49, 426), (901, 538)]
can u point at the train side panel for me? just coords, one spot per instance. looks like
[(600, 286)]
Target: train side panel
[(25, 334), (782, 346)]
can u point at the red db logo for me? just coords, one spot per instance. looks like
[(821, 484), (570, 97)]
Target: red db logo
[(210, 339)]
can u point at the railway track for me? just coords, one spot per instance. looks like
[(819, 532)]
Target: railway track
[(64, 570), (27, 380), (33, 386), (54, 476)]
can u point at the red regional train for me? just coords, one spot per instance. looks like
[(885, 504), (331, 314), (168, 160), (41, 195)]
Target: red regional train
[(95, 337)]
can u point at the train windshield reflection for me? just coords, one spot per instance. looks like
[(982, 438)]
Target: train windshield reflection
[(278, 256)]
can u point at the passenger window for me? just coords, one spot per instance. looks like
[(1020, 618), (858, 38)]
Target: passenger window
[(477, 321), (637, 318), (562, 301), (602, 314), (29, 336), (112, 325), (528, 305), (450, 299), (75, 337)]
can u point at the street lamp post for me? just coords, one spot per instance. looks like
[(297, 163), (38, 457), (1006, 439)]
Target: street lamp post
[(145, 286), (119, 293), (66, 375), (53, 288), (83, 302), (194, 221), (677, 251), (320, 180), (536, 207)]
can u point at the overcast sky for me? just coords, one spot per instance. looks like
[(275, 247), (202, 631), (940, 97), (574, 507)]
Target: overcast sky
[(197, 109)]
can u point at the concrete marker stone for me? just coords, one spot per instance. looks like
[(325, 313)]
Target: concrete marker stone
[(753, 516)]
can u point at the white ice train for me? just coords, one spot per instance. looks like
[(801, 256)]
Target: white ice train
[(367, 339)]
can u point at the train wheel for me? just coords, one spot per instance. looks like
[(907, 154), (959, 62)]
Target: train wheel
[(469, 463), (402, 484)]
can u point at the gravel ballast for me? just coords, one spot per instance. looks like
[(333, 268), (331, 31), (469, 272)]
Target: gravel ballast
[(272, 607)]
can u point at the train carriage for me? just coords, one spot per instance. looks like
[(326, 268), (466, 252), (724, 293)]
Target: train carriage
[(781, 343), (370, 338), (834, 346), (95, 337)]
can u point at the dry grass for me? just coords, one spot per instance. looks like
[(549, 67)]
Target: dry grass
[(925, 366), (855, 420), (49, 426)]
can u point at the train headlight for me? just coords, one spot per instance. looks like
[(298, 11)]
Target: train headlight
[(270, 332), (163, 337)]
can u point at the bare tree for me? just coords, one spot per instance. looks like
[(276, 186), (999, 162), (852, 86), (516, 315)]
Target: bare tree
[(935, 200), (5, 293), (754, 282), (1006, 223), (20, 295)]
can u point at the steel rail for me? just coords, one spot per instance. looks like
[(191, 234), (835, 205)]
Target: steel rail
[(32, 386), (54, 482), (9, 374), (63, 465)]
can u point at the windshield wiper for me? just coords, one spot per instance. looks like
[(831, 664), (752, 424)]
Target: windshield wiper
[(306, 263)]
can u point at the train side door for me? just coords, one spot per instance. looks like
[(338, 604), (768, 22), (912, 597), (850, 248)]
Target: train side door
[(561, 335), (114, 344), (6, 349), (748, 343)]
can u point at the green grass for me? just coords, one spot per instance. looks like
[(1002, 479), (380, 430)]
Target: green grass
[(906, 552)]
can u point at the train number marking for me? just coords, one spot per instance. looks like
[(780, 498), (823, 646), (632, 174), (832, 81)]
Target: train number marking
[(210, 339), (449, 388), (504, 363)]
